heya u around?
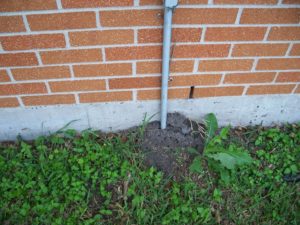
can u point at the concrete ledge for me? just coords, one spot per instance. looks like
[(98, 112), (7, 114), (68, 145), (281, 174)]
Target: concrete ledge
[(31, 122)]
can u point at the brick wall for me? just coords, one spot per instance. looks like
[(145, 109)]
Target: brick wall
[(85, 51)]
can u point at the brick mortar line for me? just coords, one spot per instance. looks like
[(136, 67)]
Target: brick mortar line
[(77, 100), (103, 54), (39, 59), (48, 87), (288, 51), (67, 39), (295, 88), (107, 79), (26, 24), (59, 5), (20, 101), (148, 27), (8, 71), (71, 72), (246, 87), (238, 16), (134, 95), (134, 69), (275, 77), (149, 7), (98, 21), (145, 45), (267, 33)]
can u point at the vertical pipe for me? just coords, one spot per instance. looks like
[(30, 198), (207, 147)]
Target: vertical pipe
[(166, 65)]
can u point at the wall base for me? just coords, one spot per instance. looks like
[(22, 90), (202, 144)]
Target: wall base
[(31, 122)]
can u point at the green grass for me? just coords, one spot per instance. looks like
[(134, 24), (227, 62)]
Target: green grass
[(86, 179)]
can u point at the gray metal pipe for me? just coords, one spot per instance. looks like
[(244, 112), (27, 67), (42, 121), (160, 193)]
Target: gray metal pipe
[(169, 7)]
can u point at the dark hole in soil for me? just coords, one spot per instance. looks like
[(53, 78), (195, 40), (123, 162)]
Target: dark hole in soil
[(163, 148)]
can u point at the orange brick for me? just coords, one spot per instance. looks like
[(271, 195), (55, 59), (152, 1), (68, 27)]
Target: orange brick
[(178, 66), (291, 2), (18, 59), (40, 73), (177, 93), (62, 21), (278, 64), (77, 85), (204, 16), (246, 78), (178, 35), (267, 16), (95, 3), (137, 82), (298, 89), (4, 76), (235, 33), (226, 65), (288, 77), (105, 97), (48, 100), (246, 2), (105, 37), (25, 5), (127, 18), (11, 24), (295, 49), (195, 80), (270, 89), (259, 49), (25, 42), (284, 33), (94, 70), (203, 51), (9, 102), (19, 89), (218, 91), (71, 56), (182, 2), (131, 53)]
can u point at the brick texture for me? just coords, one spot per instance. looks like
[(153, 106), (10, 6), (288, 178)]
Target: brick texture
[(270, 16), (87, 51), (246, 78), (9, 102), (106, 37), (105, 97), (78, 85), (95, 70), (284, 34), (178, 35), (278, 64), (11, 24), (288, 77), (195, 80), (71, 56), (25, 5), (173, 93), (235, 34), (246, 2), (128, 83), (41, 73), (132, 53), (270, 89), (218, 91), (178, 66), (4, 76), (205, 16), (295, 50), (25, 88), (226, 65), (95, 3), (48, 100), (203, 51), (62, 21), (259, 50), (18, 59), (125, 18), (26, 42)]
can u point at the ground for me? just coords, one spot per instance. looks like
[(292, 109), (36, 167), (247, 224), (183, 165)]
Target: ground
[(145, 175)]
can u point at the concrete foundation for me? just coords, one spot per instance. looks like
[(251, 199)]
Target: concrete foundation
[(31, 122)]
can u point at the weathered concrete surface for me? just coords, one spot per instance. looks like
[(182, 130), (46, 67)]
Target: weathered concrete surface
[(242, 110)]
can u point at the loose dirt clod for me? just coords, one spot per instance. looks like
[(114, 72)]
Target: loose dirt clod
[(164, 148)]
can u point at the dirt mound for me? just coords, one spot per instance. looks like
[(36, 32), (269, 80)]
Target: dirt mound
[(164, 148)]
